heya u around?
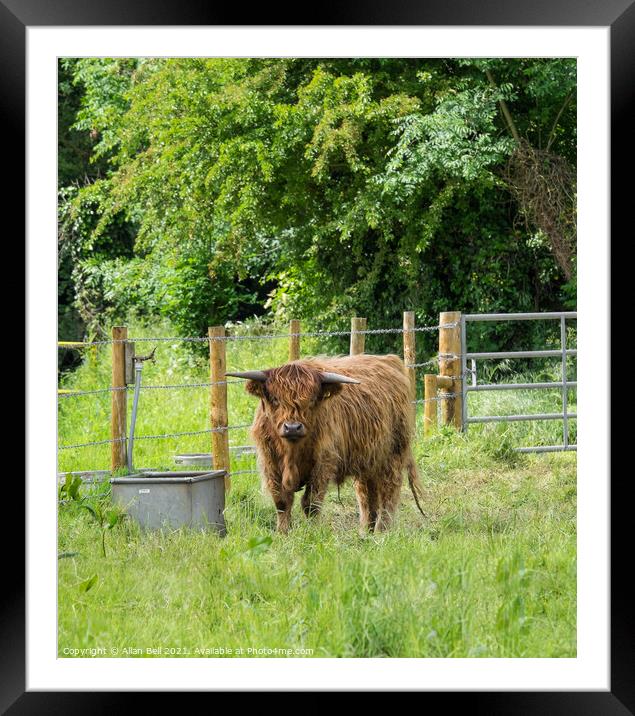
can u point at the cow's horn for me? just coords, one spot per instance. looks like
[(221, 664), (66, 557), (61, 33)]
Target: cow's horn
[(337, 378), (258, 375)]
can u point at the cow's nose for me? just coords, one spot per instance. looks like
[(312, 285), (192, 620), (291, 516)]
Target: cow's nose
[(291, 429)]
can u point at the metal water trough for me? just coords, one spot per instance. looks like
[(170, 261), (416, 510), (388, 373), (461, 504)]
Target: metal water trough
[(173, 499)]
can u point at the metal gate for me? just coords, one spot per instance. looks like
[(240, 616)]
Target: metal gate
[(564, 384)]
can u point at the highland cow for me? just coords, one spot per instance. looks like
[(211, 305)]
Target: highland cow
[(321, 420)]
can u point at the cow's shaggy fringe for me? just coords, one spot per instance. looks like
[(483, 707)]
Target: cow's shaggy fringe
[(362, 431)]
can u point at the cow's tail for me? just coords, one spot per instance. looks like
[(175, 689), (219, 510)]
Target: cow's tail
[(415, 482)]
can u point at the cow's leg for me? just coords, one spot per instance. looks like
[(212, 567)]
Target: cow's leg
[(324, 471), (389, 492), (306, 500), (373, 505), (314, 494), (283, 501), (366, 493)]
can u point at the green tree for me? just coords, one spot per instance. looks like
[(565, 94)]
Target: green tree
[(318, 188)]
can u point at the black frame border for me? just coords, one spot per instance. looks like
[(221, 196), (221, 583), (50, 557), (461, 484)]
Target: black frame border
[(619, 15)]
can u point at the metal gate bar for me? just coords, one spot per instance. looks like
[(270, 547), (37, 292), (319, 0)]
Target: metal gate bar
[(519, 316), (565, 419), (521, 354), (517, 418), (549, 448), (519, 386)]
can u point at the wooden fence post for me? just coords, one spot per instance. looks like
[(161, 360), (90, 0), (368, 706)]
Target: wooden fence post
[(119, 398), (430, 404), (294, 340), (218, 400), (450, 367), (357, 339), (409, 350)]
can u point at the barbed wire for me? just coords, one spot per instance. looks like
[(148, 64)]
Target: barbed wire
[(74, 393), (188, 385), (262, 336), (178, 386), (432, 361), (156, 437), (445, 396), (93, 442), (193, 432)]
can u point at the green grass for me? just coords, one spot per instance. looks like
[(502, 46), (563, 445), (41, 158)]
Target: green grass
[(490, 571)]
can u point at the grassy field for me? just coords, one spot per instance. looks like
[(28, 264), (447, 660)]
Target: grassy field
[(490, 571)]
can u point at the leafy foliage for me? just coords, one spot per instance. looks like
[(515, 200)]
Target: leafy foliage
[(311, 188), (97, 505)]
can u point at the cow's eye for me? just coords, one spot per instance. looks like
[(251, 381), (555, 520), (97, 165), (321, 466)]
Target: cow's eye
[(269, 398)]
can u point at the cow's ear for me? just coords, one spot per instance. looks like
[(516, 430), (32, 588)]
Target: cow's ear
[(255, 387), (327, 390)]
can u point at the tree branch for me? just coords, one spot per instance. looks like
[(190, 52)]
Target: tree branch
[(552, 133), (504, 109)]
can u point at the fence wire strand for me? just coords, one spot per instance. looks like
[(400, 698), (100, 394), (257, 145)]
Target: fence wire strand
[(445, 396), (176, 386), (157, 437), (253, 337), (184, 386)]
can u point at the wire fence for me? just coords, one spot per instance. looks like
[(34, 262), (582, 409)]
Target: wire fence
[(157, 437), (69, 394), (65, 394), (175, 386), (181, 386), (443, 358), (252, 337)]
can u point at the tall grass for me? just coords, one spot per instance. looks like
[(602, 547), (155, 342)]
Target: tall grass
[(490, 571)]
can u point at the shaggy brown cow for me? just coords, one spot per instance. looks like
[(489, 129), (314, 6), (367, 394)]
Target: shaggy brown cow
[(321, 420)]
